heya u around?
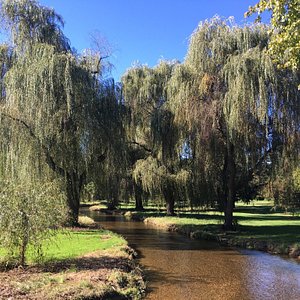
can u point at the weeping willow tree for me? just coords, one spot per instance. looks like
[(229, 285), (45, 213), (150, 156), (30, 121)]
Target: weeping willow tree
[(237, 108), (53, 106), (110, 167), (153, 130)]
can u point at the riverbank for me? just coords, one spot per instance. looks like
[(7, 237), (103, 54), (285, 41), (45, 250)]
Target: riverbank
[(257, 228), (84, 263)]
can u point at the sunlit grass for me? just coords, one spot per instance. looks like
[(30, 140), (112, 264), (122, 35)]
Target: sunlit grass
[(255, 220), (69, 244)]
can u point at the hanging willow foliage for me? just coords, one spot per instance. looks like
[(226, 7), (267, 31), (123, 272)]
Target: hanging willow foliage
[(235, 104), (58, 117), (152, 129), (29, 23)]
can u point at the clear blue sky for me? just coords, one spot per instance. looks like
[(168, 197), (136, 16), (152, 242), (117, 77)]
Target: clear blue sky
[(141, 30)]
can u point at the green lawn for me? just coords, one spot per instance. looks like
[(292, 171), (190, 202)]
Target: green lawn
[(73, 243), (254, 220)]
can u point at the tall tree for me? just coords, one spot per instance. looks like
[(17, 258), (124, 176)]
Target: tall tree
[(231, 97), (153, 130), (53, 102)]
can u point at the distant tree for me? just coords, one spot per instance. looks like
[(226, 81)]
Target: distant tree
[(109, 168), (284, 44), (153, 130)]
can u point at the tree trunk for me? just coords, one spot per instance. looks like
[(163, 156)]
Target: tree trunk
[(230, 187), (24, 240), (74, 188), (138, 197), (23, 248), (170, 207), (168, 194), (112, 203)]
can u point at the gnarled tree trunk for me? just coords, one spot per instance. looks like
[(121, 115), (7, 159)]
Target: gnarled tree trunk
[(74, 187)]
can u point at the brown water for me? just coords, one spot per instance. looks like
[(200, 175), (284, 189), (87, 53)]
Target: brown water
[(180, 268)]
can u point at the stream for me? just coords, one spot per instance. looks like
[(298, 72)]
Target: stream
[(177, 267)]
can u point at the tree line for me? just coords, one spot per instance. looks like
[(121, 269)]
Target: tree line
[(220, 126)]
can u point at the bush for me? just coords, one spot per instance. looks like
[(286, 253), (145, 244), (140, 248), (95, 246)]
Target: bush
[(286, 189), (89, 192), (29, 214)]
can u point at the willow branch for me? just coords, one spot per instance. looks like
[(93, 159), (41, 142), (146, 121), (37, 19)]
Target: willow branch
[(49, 159), (140, 145)]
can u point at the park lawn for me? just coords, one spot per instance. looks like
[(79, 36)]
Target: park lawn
[(73, 243), (256, 222), (279, 227), (68, 244)]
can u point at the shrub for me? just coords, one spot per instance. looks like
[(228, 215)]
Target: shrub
[(29, 214), (286, 189)]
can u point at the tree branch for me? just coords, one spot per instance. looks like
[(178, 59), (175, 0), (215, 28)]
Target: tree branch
[(49, 159), (140, 145)]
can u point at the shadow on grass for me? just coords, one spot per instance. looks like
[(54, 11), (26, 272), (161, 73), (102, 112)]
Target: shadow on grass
[(255, 209), (77, 264), (253, 215), (91, 263), (268, 218), (284, 234)]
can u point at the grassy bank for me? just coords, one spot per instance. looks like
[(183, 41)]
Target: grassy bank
[(82, 264), (258, 227)]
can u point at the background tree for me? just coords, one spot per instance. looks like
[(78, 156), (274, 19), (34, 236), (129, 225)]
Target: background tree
[(108, 169), (153, 130), (284, 44)]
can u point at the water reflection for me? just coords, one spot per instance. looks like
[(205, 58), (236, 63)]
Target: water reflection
[(271, 277)]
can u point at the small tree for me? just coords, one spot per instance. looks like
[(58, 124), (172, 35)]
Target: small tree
[(29, 214)]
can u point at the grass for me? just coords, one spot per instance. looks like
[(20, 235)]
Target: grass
[(255, 221), (81, 264), (71, 244), (68, 244)]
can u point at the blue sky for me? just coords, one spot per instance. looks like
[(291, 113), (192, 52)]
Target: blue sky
[(141, 30)]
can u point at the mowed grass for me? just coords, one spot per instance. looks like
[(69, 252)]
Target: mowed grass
[(254, 220), (68, 244)]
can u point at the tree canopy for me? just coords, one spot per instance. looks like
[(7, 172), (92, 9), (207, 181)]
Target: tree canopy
[(208, 131), (284, 44), (223, 117), (152, 129)]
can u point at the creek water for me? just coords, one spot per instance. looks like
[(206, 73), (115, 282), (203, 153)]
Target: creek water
[(177, 267)]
